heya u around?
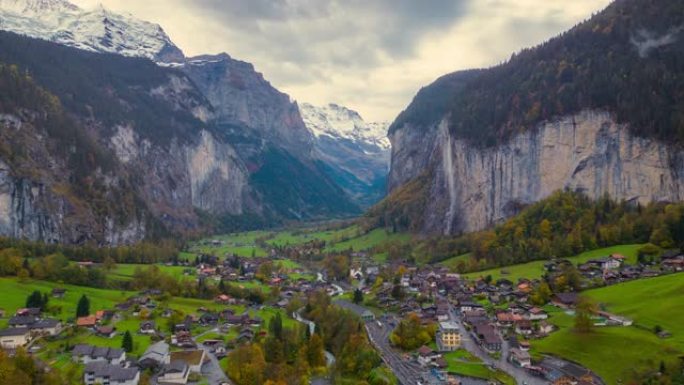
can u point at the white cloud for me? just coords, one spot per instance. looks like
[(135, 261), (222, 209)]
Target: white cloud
[(372, 56)]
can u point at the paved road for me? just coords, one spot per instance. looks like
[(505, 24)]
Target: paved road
[(408, 372), (468, 342), (212, 368)]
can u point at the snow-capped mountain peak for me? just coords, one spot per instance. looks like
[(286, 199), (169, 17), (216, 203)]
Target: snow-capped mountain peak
[(37, 6), (98, 29), (343, 123)]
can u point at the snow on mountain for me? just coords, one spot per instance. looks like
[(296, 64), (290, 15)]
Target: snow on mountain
[(97, 30), (342, 123)]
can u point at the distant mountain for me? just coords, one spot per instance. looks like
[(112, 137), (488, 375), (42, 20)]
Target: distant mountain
[(197, 143), (597, 109), (356, 153), (97, 30)]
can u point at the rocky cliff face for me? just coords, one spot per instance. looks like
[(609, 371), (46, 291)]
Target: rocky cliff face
[(241, 96), (475, 146), (473, 188)]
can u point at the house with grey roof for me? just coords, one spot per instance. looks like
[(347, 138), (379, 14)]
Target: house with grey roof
[(88, 353), (13, 338), (175, 373), (105, 373), (156, 355)]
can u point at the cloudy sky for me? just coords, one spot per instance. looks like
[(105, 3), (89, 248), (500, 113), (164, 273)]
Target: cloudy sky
[(370, 55)]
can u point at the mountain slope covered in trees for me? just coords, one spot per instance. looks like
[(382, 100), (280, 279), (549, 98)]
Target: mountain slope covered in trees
[(597, 109)]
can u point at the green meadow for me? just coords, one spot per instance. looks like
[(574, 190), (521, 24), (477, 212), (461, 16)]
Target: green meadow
[(535, 269), (614, 352)]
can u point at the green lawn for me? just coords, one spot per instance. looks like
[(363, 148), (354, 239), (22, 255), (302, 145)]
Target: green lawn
[(124, 271), (535, 269), (461, 362), (613, 352), (241, 244), (298, 237), (369, 240)]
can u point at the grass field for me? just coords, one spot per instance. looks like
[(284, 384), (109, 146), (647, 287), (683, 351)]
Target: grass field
[(298, 237), (535, 269), (241, 244), (613, 352), (451, 262), (244, 244), (462, 362), (125, 271), (369, 240)]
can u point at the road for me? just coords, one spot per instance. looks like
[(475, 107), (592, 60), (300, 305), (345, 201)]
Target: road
[(468, 342), (408, 372), (211, 370)]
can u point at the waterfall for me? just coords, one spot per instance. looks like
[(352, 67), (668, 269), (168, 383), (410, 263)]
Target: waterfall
[(447, 168)]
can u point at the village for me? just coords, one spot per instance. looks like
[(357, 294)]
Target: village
[(472, 322)]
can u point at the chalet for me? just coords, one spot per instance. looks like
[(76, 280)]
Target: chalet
[(104, 373), (246, 335), (58, 292), (426, 355), (563, 372), (487, 337), (207, 319), (520, 357), (86, 322), (565, 300), (536, 314), (467, 306), (545, 328), (523, 327), (674, 264), (47, 327), (22, 321), (176, 372), (155, 355), (225, 299), (13, 338), (193, 358), (29, 311), (106, 331), (147, 327), (183, 339), (88, 353)]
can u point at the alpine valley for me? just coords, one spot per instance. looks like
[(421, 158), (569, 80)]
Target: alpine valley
[(159, 143)]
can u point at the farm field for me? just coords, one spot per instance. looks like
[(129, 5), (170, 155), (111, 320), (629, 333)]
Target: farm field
[(613, 352), (535, 269)]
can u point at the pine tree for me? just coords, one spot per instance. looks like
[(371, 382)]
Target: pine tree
[(358, 296), (35, 299), (44, 302), (275, 327), (127, 342), (83, 307)]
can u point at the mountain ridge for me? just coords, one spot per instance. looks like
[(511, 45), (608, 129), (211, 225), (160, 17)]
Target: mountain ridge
[(586, 111)]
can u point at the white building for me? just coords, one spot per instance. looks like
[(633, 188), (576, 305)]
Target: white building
[(14, 337)]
